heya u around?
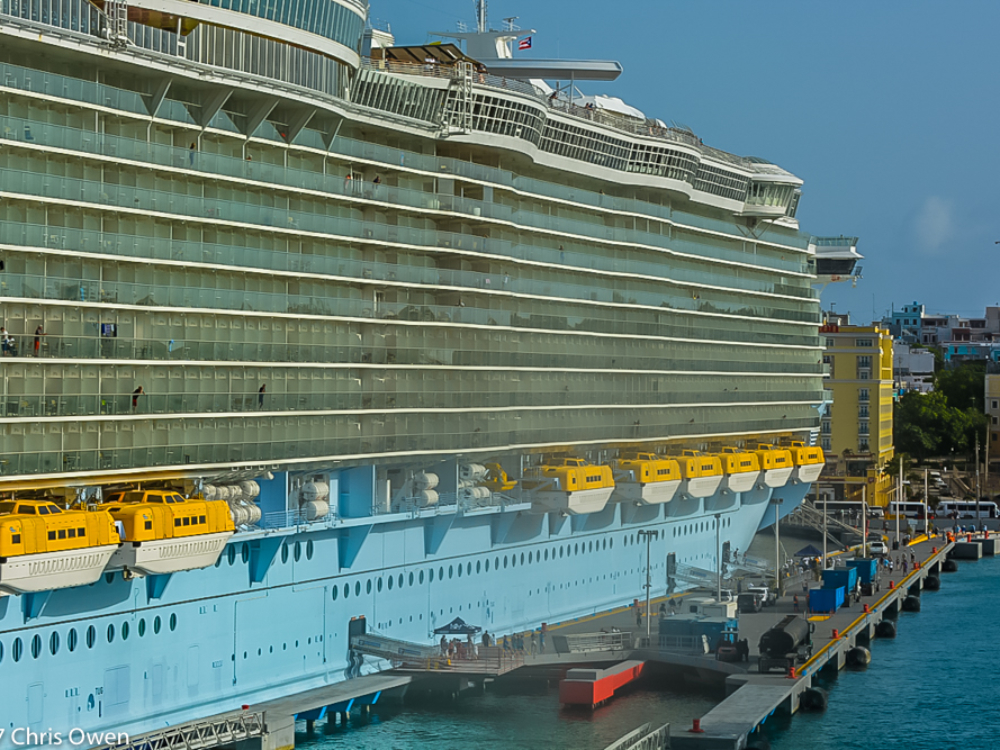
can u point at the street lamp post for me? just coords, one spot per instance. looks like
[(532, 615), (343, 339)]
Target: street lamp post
[(649, 537), (718, 557)]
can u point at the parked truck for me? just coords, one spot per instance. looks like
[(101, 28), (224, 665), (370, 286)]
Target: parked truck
[(786, 644), (843, 577), (868, 574)]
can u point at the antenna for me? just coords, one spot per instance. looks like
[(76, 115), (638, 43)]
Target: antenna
[(463, 27), (509, 25), (481, 16)]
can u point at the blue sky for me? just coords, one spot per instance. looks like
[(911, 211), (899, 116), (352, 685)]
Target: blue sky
[(888, 110)]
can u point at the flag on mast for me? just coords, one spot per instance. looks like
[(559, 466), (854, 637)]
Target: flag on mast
[(524, 43)]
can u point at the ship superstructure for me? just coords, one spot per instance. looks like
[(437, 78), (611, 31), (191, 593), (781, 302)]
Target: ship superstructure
[(430, 332)]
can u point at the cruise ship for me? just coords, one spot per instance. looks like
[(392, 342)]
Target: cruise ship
[(302, 326)]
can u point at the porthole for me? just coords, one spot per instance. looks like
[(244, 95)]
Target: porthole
[(298, 551), (399, 583), (430, 574), (576, 549), (125, 630), (522, 558), (378, 584), (17, 650), (496, 563), (479, 567), (505, 562), (54, 643), (347, 590), (357, 588), (91, 636), (109, 578), (142, 627), (335, 591), (309, 550), (561, 551), (245, 552), (529, 558), (546, 555), (487, 565), (451, 572), (468, 569), (218, 561), (611, 543), (36, 646), (1, 653), (284, 553), (441, 573), (70, 640), (390, 582), (156, 625), (173, 623), (231, 554), (420, 577), (410, 579), (513, 561), (111, 633), (368, 586)]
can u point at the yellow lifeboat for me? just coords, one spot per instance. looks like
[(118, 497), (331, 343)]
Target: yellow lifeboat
[(43, 547), (808, 460), (645, 478), (166, 533), (702, 474), (570, 485), (497, 480), (776, 463), (742, 469)]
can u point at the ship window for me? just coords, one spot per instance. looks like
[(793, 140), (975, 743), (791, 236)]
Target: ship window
[(71, 533), (15, 539), (401, 580), (26, 509), (125, 631), (54, 643), (347, 590), (411, 578), (17, 649), (62, 533), (451, 571), (36, 647), (177, 522), (173, 622), (546, 555), (560, 552), (91, 636), (309, 550), (178, 499), (80, 533), (156, 625), (245, 552), (368, 586), (576, 549), (505, 562), (142, 627), (149, 526), (529, 558), (43, 510), (186, 521), (284, 553), (111, 633), (431, 575), (522, 559), (298, 551), (420, 577), (231, 554), (441, 573), (201, 519), (54, 509), (390, 583), (335, 592), (378, 584), (357, 588)]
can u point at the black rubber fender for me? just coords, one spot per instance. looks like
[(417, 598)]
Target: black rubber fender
[(885, 629), (758, 743), (813, 699), (911, 604), (932, 583), (859, 657), (949, 566)]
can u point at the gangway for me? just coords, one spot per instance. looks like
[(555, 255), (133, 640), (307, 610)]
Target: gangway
[(696, 577), (227, 729), (643, 738)]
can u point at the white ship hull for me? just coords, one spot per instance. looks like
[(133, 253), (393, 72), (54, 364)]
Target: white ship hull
[(777, 477), (701, 486), (171, 555), (581, 502), (29, 574), (650, 493)]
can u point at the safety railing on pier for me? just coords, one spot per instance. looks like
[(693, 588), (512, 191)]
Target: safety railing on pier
[(463, 657), (643, 738), (582, 643), (197, 735)]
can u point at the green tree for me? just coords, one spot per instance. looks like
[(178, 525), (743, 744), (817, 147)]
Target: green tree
[(927, 425), (964, 387)]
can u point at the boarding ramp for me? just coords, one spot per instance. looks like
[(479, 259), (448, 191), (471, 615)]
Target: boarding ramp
[(691, 577), (585, 643), (470, 660), (226, 729), (643, 738), (750, 565)]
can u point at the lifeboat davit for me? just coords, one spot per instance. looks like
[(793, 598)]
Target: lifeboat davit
[(742, 470), (166, 533), (645, 478), (570, 485), (776, 463), (44, 547), (701, 473), (808, 460)]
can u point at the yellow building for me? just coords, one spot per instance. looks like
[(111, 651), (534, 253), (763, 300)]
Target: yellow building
[(856, 431), (993, 411)]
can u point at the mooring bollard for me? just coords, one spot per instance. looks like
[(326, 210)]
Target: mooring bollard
[(696, 728), (892, 585), (791, 673), (867, 610), (934, 550), (836, 634)]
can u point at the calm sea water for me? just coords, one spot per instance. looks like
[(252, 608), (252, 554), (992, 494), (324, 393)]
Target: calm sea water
[(932, 688)]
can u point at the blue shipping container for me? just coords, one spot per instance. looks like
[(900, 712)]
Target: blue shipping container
[(867, 568), (846, 577), (826, 600)]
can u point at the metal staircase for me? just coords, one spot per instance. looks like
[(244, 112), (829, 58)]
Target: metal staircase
[(117, 29), (461, 100)]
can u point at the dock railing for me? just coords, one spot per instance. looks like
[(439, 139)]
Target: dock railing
[(643, 739), (589, 642)]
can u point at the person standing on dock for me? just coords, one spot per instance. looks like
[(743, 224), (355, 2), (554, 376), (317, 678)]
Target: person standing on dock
[(444, 645), (795, 603), (534, 643)]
